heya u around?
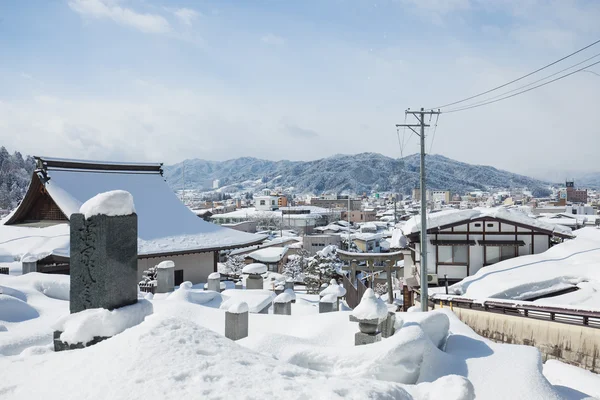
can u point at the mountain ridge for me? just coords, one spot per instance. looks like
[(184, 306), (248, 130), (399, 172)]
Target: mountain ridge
[(340, 173)]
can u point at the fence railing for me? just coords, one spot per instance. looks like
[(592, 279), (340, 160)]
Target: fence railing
[(556, 314), (147, 287), (353, 293)]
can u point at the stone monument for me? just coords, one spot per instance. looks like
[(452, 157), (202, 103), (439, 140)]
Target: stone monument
[(255, 279), (214, 282), (282, 304), (328, 303), (165, 277)]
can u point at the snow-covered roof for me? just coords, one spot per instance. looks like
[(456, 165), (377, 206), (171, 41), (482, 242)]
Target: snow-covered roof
[(366, 236), (165, 225), (17, 241), (269, 254), (451, 217)]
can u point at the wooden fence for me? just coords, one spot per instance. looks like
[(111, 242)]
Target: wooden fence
[(147, 287), (353, 293)]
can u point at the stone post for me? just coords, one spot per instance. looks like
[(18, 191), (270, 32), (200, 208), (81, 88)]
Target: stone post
[(387, 325), (282, 304), (254, 281), (214, 282), (236, 321), (328, 303), (103, 261), (239, 285), (165, 277)]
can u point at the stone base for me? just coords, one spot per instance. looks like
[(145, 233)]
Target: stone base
[(326, 307), (282, 308), (236, 325), (254, 282), (366, 338), (61, 346)]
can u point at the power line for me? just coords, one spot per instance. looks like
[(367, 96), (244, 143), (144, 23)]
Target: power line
[(434, 131), (521, 92), (534, 82), (518, 79)]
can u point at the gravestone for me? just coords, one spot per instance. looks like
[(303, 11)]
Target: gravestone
[(214, 282), (282, 304), (328, 303), (103, 261), (236, 321), (254, 281), (165, 277)]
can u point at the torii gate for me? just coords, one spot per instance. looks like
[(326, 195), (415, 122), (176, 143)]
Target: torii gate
[(389, 259)]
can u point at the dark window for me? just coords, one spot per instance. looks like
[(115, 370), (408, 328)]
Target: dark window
[(178, 277), (490, 225), (262, 203), (477, 225)]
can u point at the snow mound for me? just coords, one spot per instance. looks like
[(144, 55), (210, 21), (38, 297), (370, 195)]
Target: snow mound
[(189, 295), (166, 264), (239, 307), (254, 268), (81, 327), (15, 310), (291, 293), (54, 286), (283, 298), (370, 307), (113, 203), (568, 378), (334, 288), (214, 275), (174, 358), (329, 298)]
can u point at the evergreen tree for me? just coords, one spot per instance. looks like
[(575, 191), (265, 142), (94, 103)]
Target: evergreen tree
[(295, 266), (321, 268), (233, 265)]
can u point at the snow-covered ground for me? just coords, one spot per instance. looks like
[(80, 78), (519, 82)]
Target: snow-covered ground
[(179, 351), (572, 264)]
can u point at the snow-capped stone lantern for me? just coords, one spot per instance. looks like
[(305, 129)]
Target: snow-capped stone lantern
[(165, 276), (336, 290), (370, 312), (254, 272)]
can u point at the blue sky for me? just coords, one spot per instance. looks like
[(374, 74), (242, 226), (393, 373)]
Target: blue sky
[(168, 80)]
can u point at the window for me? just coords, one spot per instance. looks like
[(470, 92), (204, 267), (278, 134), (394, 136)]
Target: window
[(453, 254), (478, 225), (272, 202), (494, 254), (490, 225), (361, 216), (262, 203)]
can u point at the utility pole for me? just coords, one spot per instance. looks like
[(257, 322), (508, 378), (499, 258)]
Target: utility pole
[(420, 116)]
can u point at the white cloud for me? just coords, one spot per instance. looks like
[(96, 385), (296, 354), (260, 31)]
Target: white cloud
[(148, 23), (272, 39), (187, 16)]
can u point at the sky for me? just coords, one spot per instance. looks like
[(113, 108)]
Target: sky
[(167, 80)]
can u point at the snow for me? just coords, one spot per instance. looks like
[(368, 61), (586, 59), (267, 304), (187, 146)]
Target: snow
[(284, 298), (370, 307), (573, 263), (572, 381), (164, 223), (256, 299), (214, 275), (291, 293), (334, 288), (81, 327), (238, 308), (447, 217), (17, 242), (29, 259), (329, 298), (180, 352), (112, 203), (269, 255), (165, 264), (254, 268)]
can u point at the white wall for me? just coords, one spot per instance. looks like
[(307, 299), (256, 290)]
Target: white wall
[(196, 267)]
